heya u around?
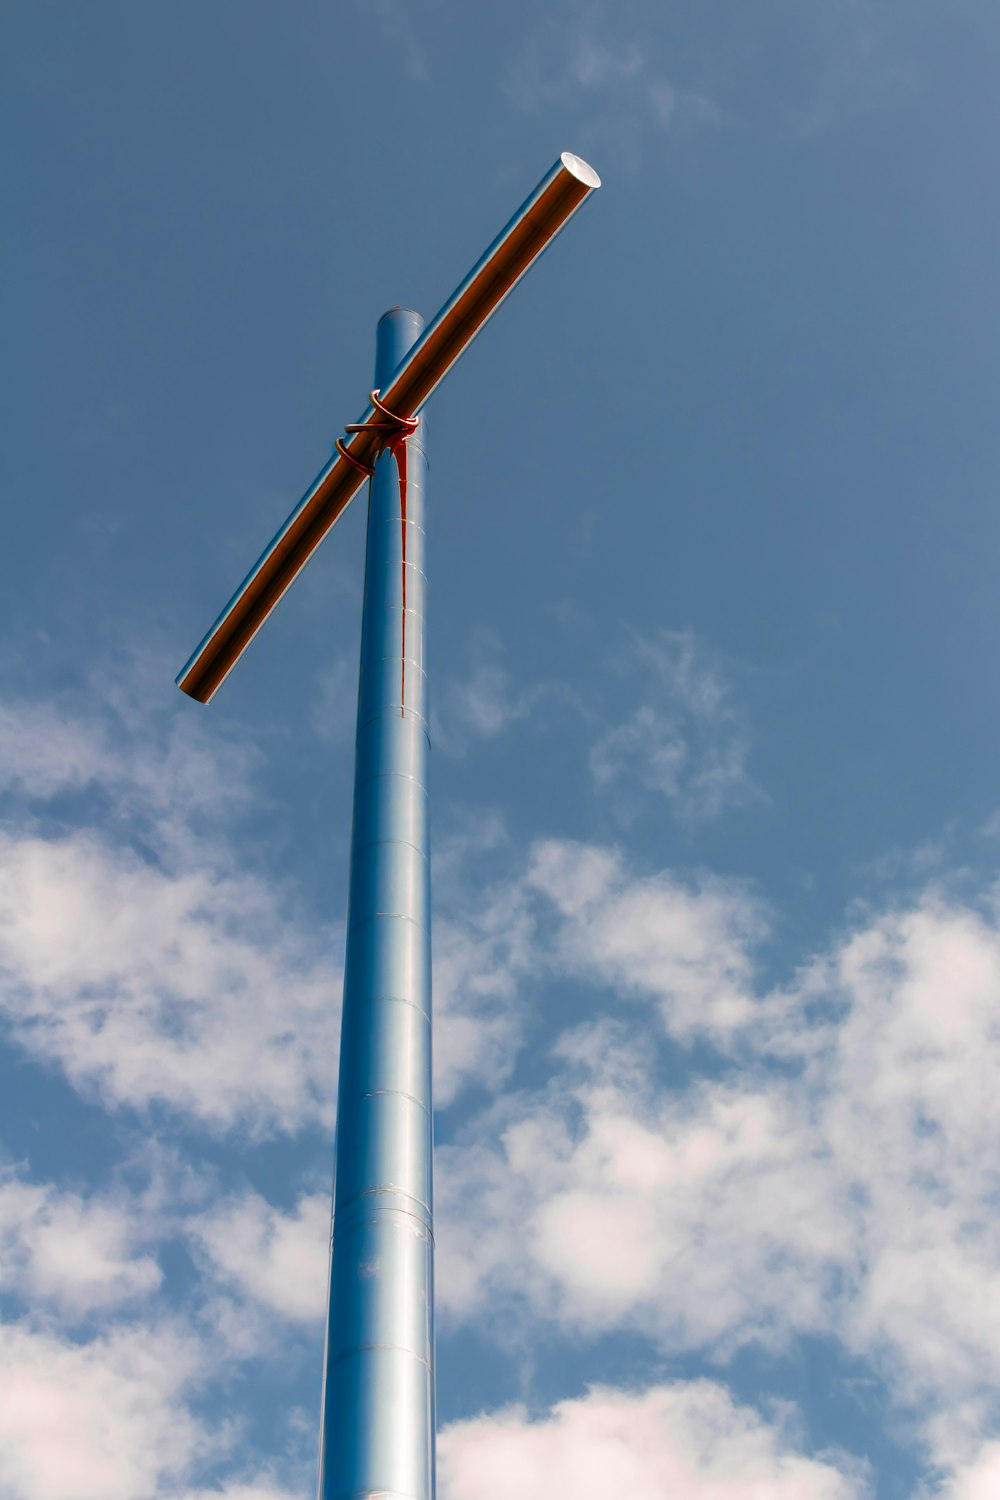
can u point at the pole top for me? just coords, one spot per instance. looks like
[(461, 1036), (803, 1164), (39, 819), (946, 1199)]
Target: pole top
[(395, 335), (407, 312)]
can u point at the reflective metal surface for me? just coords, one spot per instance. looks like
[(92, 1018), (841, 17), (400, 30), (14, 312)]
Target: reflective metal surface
[(378, 1407), (404, 391)]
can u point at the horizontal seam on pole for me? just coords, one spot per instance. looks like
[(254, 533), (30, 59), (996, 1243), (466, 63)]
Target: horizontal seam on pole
[(395, 703), (384, 775), (367, 1493), (410, 776), (380, 1188), (395, 916), (374, 843), (390, 513), (397, 609), (360, 1205), (369, 1348), (394, 657), (360, 1218), (411, 567), (359, 735), (383, 1187), (417, 1227), (398, 1000), (396, 1093), (391, 711), (395, 999), (375, 603), (397, 520), (409, 717), (390, 668)]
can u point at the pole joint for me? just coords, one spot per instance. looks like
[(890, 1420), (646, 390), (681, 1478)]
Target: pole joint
[(396, 429)]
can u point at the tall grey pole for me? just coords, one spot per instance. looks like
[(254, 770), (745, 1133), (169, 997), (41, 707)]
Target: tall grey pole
[(378, 1404)]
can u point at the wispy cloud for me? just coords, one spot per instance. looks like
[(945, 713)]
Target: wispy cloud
[(335, 710), (662, 718), (483, 703), (589, 57), (686, 740), (635, 73), (396, 25)]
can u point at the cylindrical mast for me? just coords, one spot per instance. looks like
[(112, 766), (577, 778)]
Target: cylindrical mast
[(378, 1407)]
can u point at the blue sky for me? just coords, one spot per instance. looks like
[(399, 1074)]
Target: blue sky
[(716, 809)]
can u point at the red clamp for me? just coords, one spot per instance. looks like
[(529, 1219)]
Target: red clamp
[(396, 428)]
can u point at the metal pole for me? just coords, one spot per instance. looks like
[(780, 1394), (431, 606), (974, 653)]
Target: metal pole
[(378, 1402)]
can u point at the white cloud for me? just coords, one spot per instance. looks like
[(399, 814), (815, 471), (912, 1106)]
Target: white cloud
[(689, 947), (843, 1181), (111, 1419), (278, 1260), (979, 1480), (262, 1489), (151, 969), (79, 1253), (103, 1420), (686, 741), (191, 988), (481, 948), (161, 774), (913, 1114), (701, 1220), (688, 1441)]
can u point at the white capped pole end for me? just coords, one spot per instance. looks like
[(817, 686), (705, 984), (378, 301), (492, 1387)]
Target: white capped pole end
[(581, 170)]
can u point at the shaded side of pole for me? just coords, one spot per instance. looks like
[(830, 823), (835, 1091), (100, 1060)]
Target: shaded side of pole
[(379, 1405)]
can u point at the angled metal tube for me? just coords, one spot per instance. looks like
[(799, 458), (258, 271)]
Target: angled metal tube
[(536, 223)]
